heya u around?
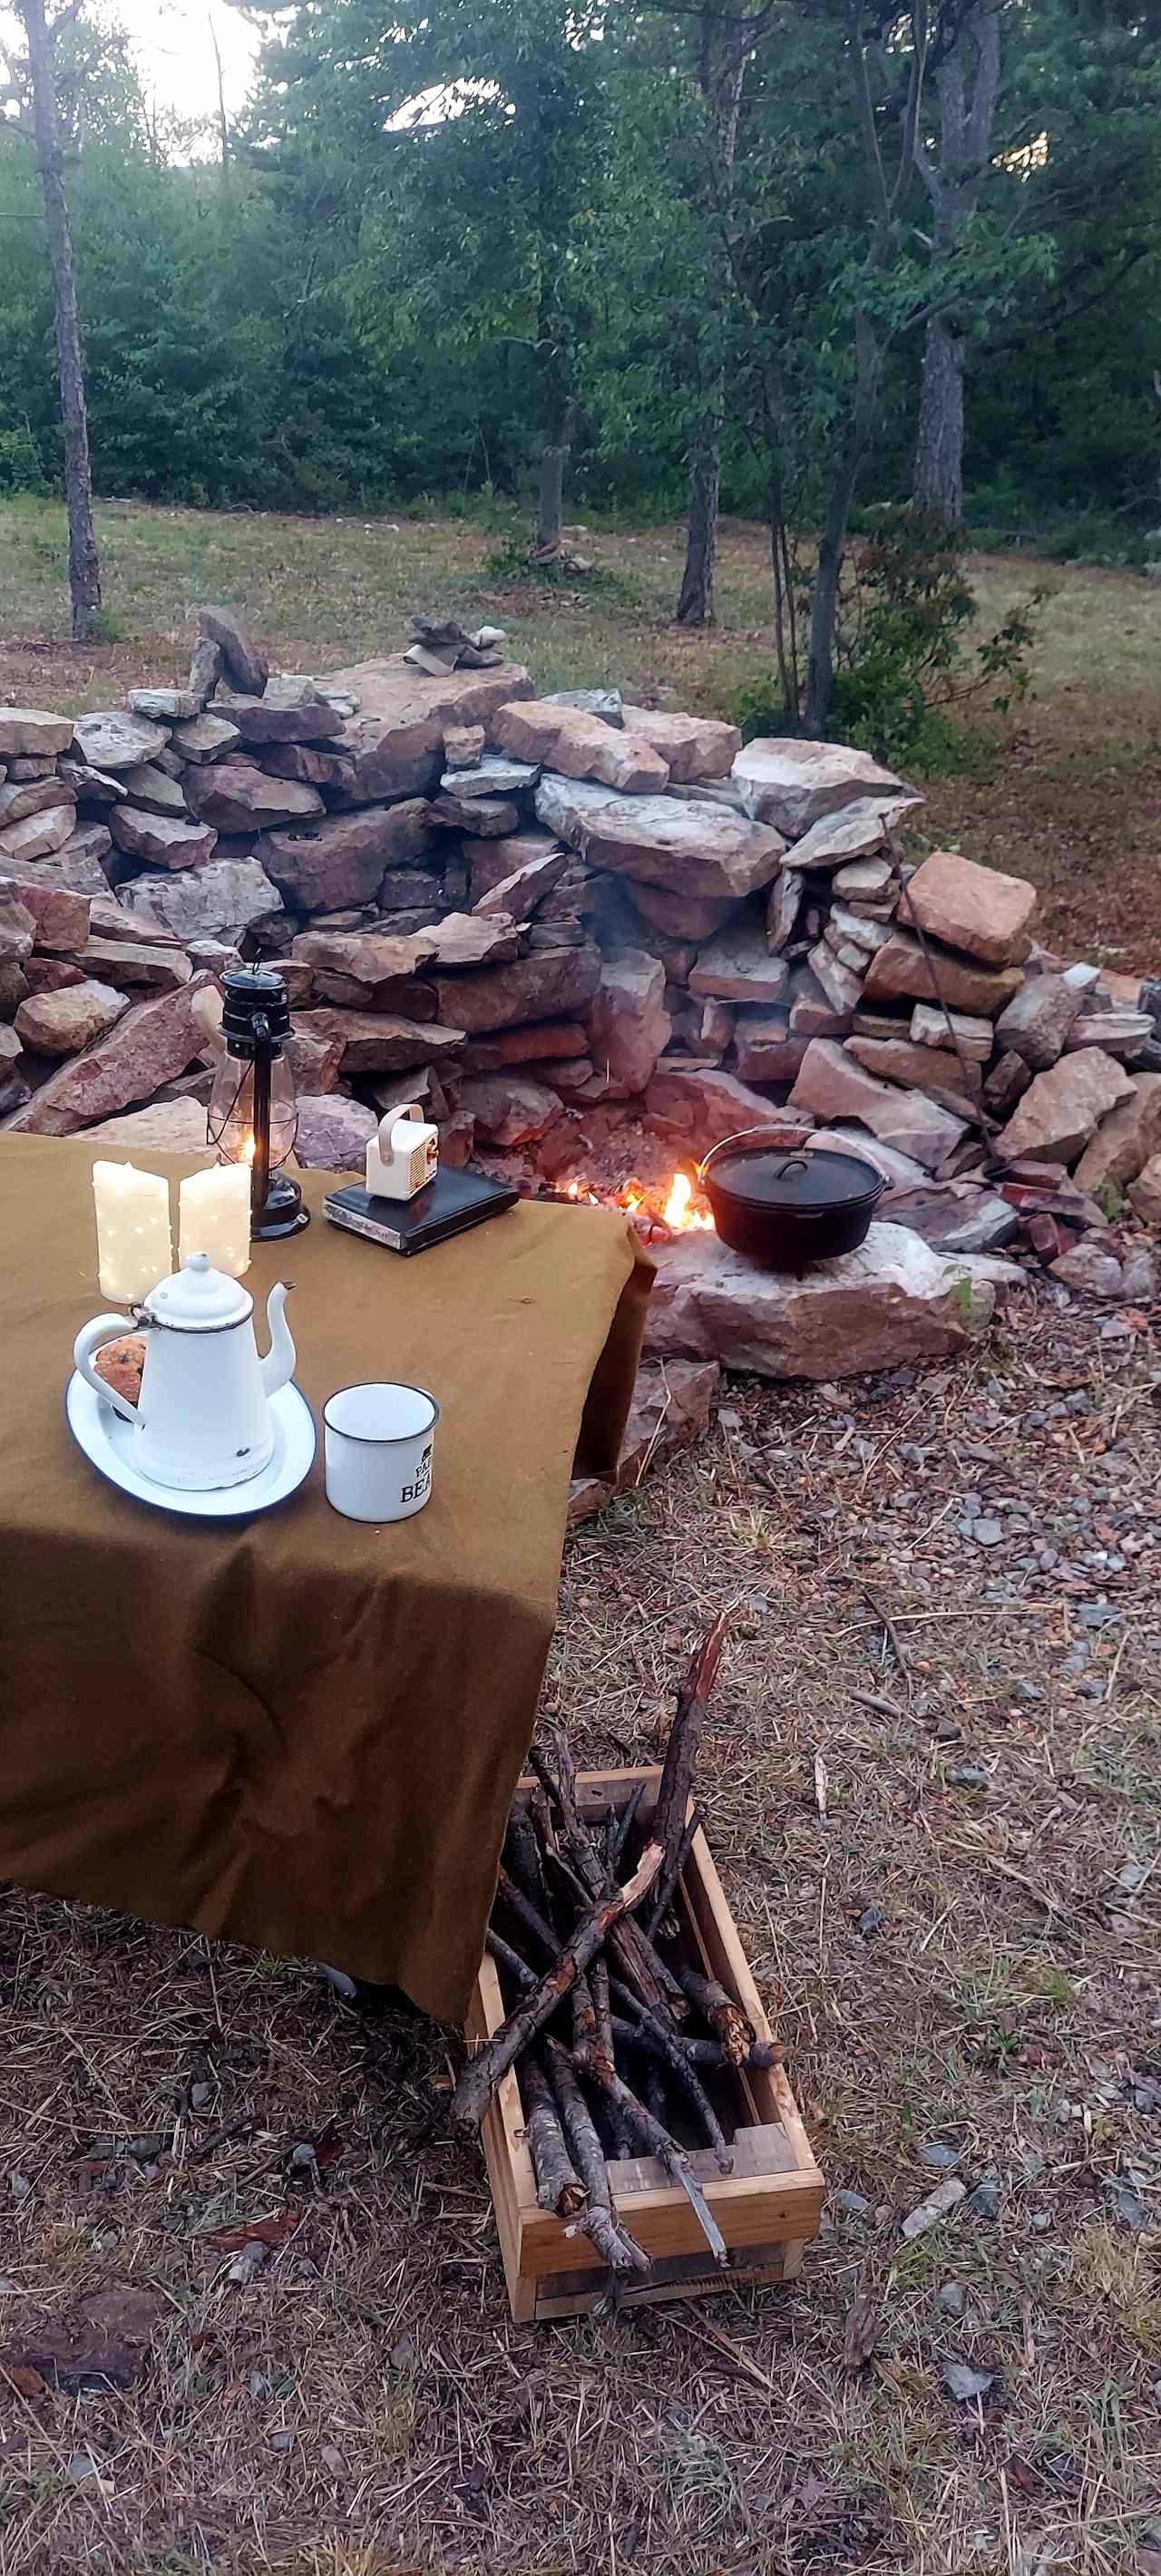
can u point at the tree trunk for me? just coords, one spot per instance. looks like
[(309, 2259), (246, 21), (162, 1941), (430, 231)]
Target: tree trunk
[(938, 485), (695, 606), (721, 72), (550, 497), (84, 569), (824, 598), (953, 178)]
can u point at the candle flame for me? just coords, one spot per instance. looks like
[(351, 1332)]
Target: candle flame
[(249, 1150)]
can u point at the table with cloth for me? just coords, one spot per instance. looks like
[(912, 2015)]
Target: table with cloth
[(300, 1731)]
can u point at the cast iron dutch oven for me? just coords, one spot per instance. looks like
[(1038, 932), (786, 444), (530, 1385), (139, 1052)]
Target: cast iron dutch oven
[(783, 1207)]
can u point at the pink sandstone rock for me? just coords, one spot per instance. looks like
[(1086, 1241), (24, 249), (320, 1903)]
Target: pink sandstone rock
[(1063, 1108), (509, 1109), (340, 860), (901, 971), (892, 1301), (36, 837), (151, 1043), (832, 1084), (1126, 1140), (63, 1022), (699, 1106), (524, 889), (980, 910), (579, 746), (628, 1020), (793, 784), (165, 1127), (60, 918), (238, 799), (29, 731), (1145, 1194), (693, 747), (380, 1041), (395, 742), (159, 840), (333, 1132)]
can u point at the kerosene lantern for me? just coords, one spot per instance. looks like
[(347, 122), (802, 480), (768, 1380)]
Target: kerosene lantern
[(253, 1113)]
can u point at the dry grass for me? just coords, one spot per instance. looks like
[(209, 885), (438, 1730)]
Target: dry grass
[(945, 1962), (1069, 794)]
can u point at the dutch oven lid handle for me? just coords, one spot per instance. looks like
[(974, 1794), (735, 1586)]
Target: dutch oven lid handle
[(736, 1139)]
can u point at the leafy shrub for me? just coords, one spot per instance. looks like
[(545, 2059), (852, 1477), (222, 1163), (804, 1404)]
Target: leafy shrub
[(21, 469), (904, 671)]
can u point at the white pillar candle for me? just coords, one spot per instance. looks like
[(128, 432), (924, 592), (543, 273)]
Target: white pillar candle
[(214, 1217), (134, 1248)]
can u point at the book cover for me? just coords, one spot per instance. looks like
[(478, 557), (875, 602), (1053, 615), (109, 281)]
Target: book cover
[(448, 1205)]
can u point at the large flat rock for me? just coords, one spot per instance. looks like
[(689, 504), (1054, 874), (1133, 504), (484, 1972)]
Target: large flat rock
[(341, 860), (151, 1044), (694, 748), (63, 1022), (699, 1106), (1127, 1139), (832, 1084), (793, 784), (236, 798), (980, 910), (36, 836), (291, 709), (380, 1041), (217, 901), (855, 832), (580, 746), (60, 918), (164, 1127), (902, 970), (737, 966), (396, 740), (549, 983), (1063, 1107), (116, 741), (161, 840), (894, 1300), (688, 847), (33, 733)]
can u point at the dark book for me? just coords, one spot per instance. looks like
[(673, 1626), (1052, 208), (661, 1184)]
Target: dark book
[(448, 1205)]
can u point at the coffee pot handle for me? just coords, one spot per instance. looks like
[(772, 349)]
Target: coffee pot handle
[(104, 1328)]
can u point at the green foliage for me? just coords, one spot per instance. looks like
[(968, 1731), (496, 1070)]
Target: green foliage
[(379, 300), (907, 666), (21, 469)]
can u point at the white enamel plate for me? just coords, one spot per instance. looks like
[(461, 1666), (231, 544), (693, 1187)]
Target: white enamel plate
[(109, 1442)]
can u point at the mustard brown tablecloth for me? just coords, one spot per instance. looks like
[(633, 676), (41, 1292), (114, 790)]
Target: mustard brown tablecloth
[(299, 1731)]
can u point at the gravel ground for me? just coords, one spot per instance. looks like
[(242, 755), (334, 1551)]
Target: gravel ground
[(932, 1782)]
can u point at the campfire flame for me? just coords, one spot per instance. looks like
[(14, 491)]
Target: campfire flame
[(671, 1209)]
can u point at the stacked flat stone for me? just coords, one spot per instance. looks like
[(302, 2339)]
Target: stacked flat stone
[(537, 914)]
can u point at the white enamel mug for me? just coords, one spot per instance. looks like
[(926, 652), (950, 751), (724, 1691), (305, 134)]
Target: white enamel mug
[(378, 1442)]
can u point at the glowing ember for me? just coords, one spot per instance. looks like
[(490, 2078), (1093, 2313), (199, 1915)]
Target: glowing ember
[(670, 1207)]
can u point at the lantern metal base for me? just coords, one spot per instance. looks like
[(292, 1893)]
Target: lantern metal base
[(282, 1214)]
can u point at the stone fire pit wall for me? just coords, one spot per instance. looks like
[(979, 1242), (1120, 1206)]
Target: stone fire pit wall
[(540, 917)]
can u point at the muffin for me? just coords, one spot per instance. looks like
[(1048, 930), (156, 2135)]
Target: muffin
[(120, 1364)]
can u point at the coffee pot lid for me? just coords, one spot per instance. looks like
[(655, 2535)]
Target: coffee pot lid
[(198, 1299)]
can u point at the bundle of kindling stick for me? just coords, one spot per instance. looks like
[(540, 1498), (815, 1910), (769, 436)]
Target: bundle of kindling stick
[(615, 2032)]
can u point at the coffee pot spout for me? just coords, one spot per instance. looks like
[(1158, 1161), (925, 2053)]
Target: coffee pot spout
[(278, 1365)]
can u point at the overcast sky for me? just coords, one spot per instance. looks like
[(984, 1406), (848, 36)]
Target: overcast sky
[(171, 39)]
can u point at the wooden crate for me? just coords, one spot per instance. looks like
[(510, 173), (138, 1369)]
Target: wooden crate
[(767, 2207)]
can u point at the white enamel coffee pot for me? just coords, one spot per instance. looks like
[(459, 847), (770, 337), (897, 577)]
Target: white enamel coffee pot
[(203, 1419)]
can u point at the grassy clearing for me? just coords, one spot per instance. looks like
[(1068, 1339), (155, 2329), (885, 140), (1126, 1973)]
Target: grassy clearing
[(1070, 793), (972, 1965)]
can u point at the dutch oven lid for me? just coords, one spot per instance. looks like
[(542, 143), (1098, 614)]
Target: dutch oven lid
[(775, 1176)]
